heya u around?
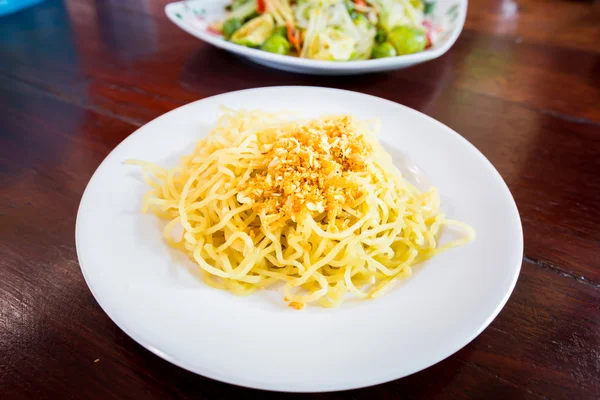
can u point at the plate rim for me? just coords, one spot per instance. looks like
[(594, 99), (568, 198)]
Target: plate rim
[(365, 65), (274, 386)]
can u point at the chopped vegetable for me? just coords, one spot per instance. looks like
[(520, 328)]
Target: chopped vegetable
[(349, 5), (407, 40), (384, 50), (230, 26), (261, 6), (380, 36), (280, 30), (252, 16), (365, 41), (335, 30), (293, 36), (237, 3), (276, 44), (358, 18), (418, 4), (254, 32), (339, 44), (394, 13), (243, 10), (429, 7)]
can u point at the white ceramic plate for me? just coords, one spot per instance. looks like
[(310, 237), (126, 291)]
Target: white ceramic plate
[(195, 18), (151, 291)]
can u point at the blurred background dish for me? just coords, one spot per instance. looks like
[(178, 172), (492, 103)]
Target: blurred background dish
[(199, 18)]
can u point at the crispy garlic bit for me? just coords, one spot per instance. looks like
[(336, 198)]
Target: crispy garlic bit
[(308, 167)]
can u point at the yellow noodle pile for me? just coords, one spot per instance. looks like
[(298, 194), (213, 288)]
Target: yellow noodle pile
[(316, 204)]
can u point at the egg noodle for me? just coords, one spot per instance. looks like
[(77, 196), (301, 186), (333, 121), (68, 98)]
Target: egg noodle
[(316, 204)]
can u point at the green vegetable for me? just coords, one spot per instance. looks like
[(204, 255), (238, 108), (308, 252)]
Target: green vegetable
[(281, 31), (306, 13), (239, 3), (383, 50), (349, 6), (276, 44), (418, 4), (407, 40), (363, 25), (252, 16), (358, 19), (254, 32), (244, 10), (397, 13), (230, 26), (380, 36), (429, 7)]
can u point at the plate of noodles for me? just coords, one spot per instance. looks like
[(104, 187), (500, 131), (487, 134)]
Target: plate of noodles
[(299, 239), (325, 37)]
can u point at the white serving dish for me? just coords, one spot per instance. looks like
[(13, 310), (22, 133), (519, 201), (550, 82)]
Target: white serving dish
[(154, 293), (195, 16)]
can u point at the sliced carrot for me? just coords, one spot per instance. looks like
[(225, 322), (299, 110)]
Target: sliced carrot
[(293, 36)]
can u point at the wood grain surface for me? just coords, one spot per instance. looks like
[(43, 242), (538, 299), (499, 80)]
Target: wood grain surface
[(522, 83)]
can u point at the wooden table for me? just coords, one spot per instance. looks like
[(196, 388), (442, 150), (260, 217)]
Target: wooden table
[(522, 83)]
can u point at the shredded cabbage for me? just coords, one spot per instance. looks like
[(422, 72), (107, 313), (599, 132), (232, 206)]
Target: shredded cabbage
[(337, 30), (243, 10), (393, 13), (331, 34)]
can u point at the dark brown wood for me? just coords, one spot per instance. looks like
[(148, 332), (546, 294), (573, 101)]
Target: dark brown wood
[(522, 83)]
